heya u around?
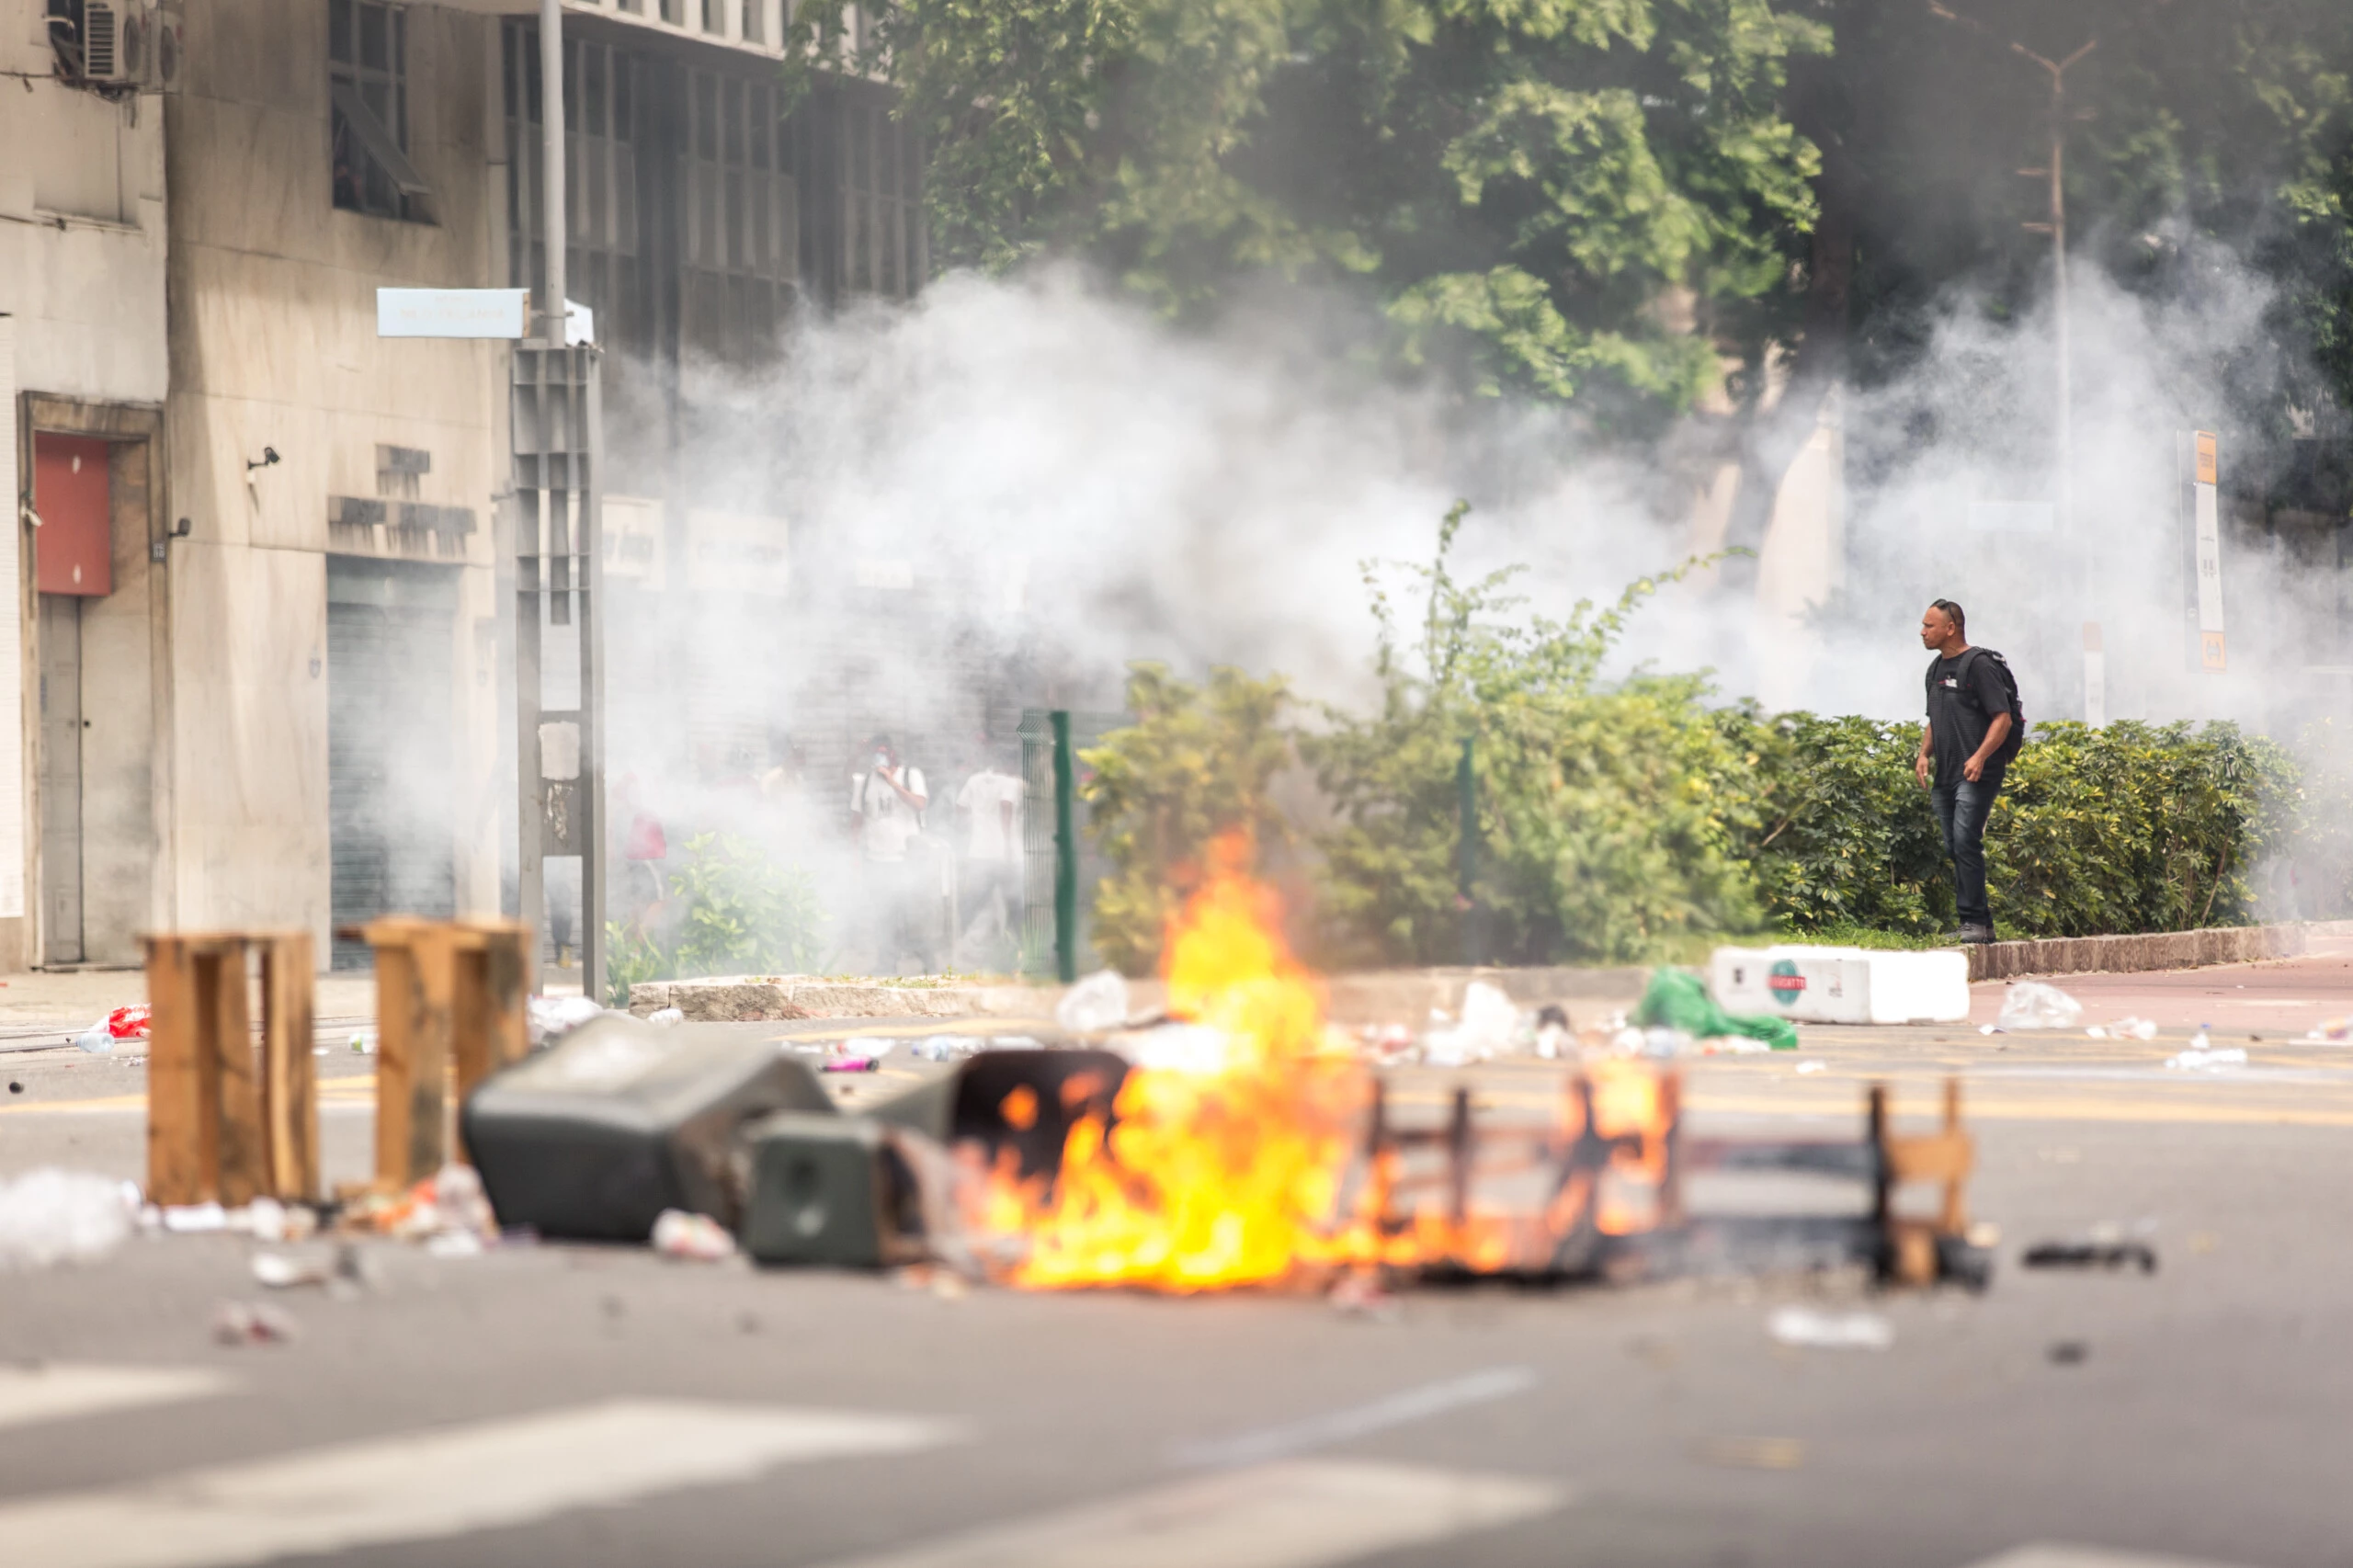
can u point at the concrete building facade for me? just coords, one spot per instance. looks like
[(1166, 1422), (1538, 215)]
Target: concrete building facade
[(274, 695)]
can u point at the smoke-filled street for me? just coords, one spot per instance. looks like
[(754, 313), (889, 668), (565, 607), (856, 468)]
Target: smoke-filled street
[(599, 1405)]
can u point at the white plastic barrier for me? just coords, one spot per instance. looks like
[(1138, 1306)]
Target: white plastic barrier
[(1843, 985)]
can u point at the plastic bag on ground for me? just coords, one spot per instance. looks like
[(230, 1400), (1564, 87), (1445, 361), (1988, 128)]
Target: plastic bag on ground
[(50, 1216), (1098, 1003), (1489, 1024), (1678, 999), (1819, 1330), (2031, 1004), (551, 1017)]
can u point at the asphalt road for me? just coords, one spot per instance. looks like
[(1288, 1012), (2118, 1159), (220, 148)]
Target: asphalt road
[(599, 1406)]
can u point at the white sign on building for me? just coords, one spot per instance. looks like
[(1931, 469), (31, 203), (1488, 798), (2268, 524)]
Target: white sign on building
[(734, 552)]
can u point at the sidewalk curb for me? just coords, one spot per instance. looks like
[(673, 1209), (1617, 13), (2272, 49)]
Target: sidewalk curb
[(2141, 955)]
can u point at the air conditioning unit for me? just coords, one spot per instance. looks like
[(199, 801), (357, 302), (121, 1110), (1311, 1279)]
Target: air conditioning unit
[(163, 43), (99, 42)]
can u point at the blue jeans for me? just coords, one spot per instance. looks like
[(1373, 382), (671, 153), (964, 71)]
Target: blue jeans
[(1962, 807)]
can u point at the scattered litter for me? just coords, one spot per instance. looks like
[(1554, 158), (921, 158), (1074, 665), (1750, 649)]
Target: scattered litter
[(2125, 1029), (1553, 1035), (192, 1219), (1098, 1003), (1663, 1044), (663, 1017), (849, 1064), (15, 1087), (95, 1040), (1814, 1067), (946, 1047), (1830, 1331), (2068, 1353), (698, 1238), (2091, 1254), (277, 1271), (551, 1017), (2031, 1004), (2204, 1052), (361, 1044), (449, 1201), (123, 1023), (1488, 1025), (1751, 1453), (252, 1323), (1360, 1295), (2331, 1031), (1983, 1235), (1679, 1000), (1015, 1042), (50, 1216)]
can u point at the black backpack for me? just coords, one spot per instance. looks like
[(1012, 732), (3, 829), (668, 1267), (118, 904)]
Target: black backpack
[(2008, 750)]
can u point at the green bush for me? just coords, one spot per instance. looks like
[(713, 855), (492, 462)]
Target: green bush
[(1196, 762), (1628, 819), (1607, 812), (743, 914)]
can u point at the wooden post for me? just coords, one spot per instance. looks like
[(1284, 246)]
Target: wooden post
[(221, 1126), (413, 986), (289, 1076)]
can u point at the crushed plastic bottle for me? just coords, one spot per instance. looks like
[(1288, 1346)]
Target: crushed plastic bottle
[(2031, 1004), (1098, 1003)]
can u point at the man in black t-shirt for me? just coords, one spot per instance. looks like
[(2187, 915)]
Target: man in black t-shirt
[(1969, 717)]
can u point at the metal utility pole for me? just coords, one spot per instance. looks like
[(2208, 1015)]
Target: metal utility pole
[(2056, 227), (558, 426)]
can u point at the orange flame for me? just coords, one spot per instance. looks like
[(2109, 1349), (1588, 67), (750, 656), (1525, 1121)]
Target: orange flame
[(1228, 1159)]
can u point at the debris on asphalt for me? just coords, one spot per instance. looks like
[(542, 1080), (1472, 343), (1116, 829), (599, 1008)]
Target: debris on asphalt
[(552, 1017), (2068, 1353), (1486, 1030), (448, 1203), (15, 1087), (1816, 1330), (276, 1271), (123, 1023), (2330, 1032), (1679, 1000), (1361, 1295), (2125, 1029), (1094, 1005), (50, 1216), (1804, 1067), (1553, 1034), (2094, 1254), (362, 1043), (1751, 1453), (696, 1238), (2204, 1052), (947, 1047), (2032, 1005), (664, 1017), (252, 1323), (849, 1064)]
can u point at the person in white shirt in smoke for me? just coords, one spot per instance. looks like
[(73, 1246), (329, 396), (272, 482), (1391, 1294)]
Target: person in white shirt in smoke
[(990, 887), (886, 804)]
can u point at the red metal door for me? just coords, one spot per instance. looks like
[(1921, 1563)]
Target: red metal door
[(74, 547)]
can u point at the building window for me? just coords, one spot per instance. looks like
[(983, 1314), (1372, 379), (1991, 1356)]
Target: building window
[(602, 86), (754, 21), (741, 239), (714, 16), (883, 243), (369, 111)]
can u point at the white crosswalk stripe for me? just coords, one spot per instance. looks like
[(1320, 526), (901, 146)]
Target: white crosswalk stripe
[(1298, 1514), (439, 1483), (2046, 1554), (61, 1391)]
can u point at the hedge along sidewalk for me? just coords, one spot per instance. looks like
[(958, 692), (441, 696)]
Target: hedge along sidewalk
[(2157, 950)]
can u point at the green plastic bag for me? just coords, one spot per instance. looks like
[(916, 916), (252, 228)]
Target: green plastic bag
[(1678, 999)]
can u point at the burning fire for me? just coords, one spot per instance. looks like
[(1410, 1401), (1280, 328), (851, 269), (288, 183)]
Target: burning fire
[(1227, 1160)]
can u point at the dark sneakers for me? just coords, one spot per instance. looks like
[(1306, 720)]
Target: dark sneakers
[(1972, 935)]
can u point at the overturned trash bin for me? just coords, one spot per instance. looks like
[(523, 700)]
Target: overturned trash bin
[(874, 1190), (592, 1138)]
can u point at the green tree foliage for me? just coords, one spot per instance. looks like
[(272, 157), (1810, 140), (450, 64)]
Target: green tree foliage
[(1197, 762), (1607, 812), (1520, 183)]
